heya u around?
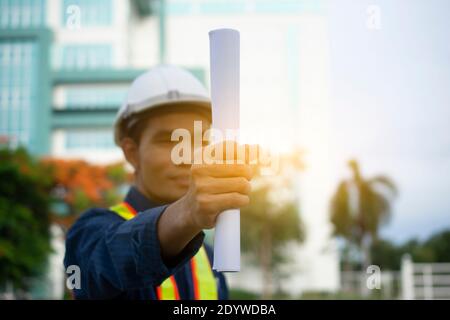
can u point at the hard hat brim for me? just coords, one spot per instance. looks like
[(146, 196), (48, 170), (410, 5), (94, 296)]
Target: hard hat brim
[(191, 104)]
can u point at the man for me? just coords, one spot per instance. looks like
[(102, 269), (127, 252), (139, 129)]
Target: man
[(151, 245)]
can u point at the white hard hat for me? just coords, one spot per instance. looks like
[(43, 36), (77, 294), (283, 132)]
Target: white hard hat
[(160, 86)]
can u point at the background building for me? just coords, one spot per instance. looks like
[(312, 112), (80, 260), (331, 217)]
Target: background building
[(65, 69)]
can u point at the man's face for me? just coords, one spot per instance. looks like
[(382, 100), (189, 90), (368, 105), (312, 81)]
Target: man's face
[(156, 174)]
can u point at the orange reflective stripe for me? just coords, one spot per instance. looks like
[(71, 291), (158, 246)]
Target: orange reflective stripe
[(168, 290), (129, 207), (195, 279), (124, 210), (205, 287)]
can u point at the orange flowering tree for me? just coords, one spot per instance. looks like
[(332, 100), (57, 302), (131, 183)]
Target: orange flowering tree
[(79, 185)]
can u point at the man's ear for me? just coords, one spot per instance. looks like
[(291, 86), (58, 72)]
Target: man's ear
[(131, 151)]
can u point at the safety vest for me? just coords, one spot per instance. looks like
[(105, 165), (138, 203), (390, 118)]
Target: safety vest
[(202, 276)]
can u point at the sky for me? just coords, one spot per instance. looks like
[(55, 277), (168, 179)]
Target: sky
[(390, 103)]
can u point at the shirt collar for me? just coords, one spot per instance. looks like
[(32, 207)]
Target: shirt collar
[(138, 201)]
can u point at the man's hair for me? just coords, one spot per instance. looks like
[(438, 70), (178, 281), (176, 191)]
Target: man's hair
[(134, 125)]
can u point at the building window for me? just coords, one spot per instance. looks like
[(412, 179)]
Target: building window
[(16, 14), (83, 57), (94, 97), (17, 89), (93, 13), (91, 139)]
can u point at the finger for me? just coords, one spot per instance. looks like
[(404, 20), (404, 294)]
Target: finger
[(220, 202), (225, 185), (223, 170)]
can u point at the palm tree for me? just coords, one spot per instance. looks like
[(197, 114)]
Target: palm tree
[(360, 206)]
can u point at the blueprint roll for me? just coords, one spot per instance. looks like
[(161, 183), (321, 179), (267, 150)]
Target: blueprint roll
[(224, 73)]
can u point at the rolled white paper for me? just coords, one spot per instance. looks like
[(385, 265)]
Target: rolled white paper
[(224, 72)]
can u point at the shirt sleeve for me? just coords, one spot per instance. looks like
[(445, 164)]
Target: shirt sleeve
[(116, 255)]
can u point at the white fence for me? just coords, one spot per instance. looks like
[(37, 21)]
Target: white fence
[(425, 280), (354, 284)]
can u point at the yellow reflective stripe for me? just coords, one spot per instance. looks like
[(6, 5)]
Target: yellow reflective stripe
[(167, 290), (122, 211), (203, 274)]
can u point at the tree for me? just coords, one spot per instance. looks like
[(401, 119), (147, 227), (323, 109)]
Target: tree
[(80, 185), (439, 244), (359, 207), (269, 223), (388, 255), (24, 218)]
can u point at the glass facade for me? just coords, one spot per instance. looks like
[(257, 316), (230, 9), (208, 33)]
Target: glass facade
[(92, 12), (18, 75), (22, 13), (83, 56), (211, 7), (91, 139), (94, 97)]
